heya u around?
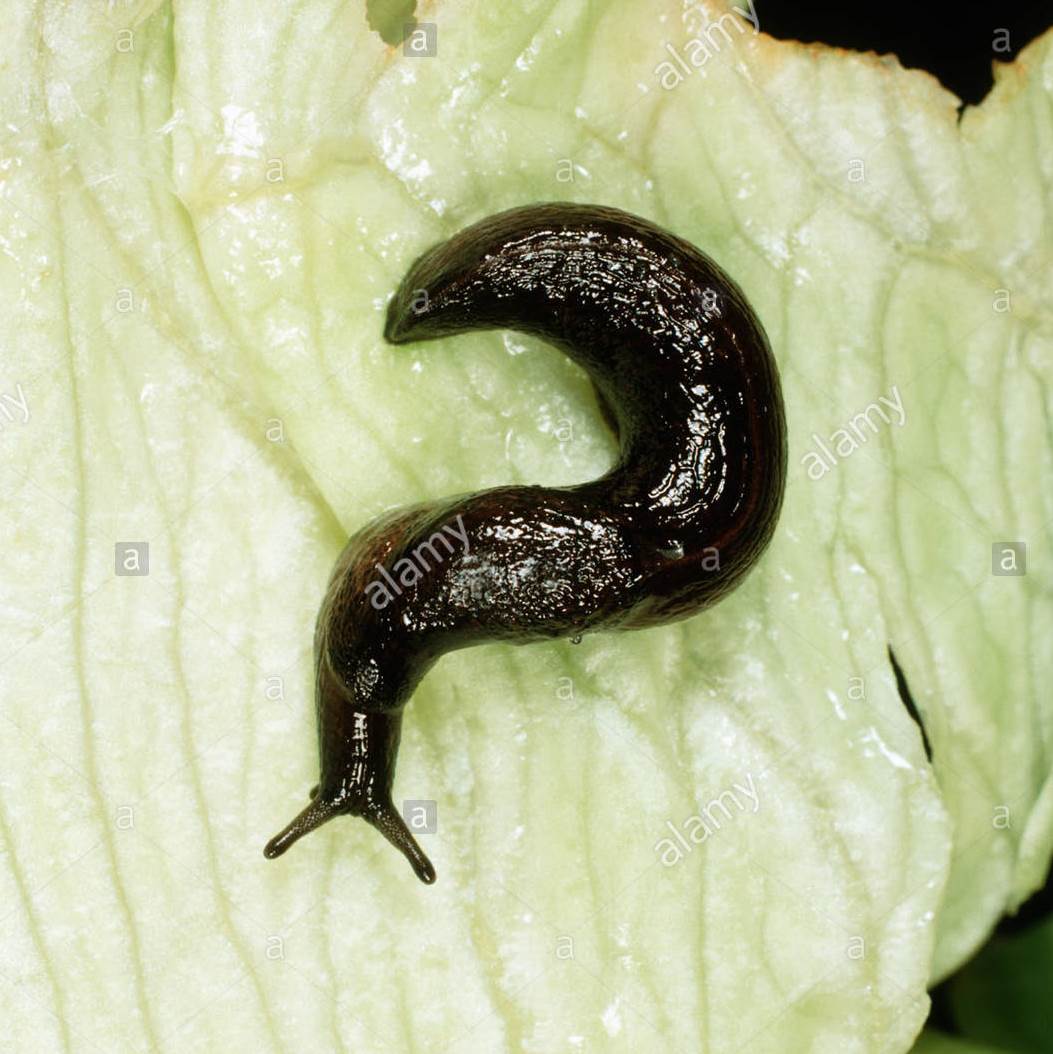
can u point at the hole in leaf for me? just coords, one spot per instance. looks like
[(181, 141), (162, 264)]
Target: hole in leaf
[(908, 701), (390, 18)]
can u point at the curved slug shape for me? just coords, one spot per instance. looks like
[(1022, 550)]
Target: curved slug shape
[(685, 376)]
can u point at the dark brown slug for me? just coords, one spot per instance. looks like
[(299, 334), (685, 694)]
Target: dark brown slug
[(684, 375)]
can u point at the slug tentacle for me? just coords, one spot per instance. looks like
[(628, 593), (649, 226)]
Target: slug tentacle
[(684, 374), (308, 819)]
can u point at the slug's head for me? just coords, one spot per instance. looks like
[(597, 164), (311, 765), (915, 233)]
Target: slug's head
[(358, 751)]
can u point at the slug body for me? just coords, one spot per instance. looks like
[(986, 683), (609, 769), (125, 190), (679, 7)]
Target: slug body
[(684, 375)]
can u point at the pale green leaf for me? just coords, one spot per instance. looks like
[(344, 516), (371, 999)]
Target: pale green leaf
[(199, 234)]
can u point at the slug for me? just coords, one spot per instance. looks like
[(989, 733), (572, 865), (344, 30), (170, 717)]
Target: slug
[(684, 375)]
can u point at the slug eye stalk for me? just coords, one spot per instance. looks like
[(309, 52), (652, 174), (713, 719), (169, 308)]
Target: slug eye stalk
[(384, 818)]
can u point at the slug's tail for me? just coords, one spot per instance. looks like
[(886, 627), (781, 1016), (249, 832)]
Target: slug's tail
[(383, 817), (681, 365)]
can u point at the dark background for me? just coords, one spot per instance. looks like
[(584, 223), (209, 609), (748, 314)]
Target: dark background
[(956, 43)]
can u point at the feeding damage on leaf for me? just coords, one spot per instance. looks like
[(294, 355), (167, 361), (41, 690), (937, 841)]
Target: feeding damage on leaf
[(908, 701)]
